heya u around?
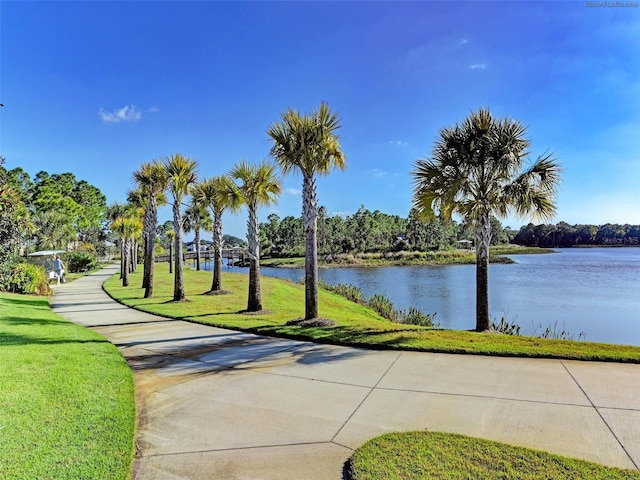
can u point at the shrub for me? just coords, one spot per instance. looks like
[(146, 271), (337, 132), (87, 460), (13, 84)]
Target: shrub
[(31, 279), (413, 316), (348, 291), (506, 327), (555, 333), (80, 261), (384, 307)]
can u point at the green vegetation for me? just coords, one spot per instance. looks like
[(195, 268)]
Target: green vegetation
[(308, 144), (426, 455), (47, 213), (564, 235), (478, 170), (67, 407), (442, 257), (356, 325)]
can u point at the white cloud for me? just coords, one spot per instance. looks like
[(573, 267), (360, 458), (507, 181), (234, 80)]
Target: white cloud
[(478, 66), (293, 191), (376, 172), (398, 143), (464, 41), (128, 113)]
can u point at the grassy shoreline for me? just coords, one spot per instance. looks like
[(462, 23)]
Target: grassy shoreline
[(498, 254), (356, 325), (67, 408)]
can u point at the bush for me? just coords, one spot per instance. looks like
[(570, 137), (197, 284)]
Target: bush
[(506, 327), (80, 261), (413, 316), (31, 279), (348, 291), (384, 307)]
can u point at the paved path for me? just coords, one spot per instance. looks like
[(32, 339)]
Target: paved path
[(220, 404)]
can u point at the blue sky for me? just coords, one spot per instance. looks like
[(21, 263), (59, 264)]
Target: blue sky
[(97, 88)]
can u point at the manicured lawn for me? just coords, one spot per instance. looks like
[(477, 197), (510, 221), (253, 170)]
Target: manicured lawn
[(356, 325), (429, 455), (67, 405)]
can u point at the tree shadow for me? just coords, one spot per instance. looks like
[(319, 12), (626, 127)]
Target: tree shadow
[(10, 339)]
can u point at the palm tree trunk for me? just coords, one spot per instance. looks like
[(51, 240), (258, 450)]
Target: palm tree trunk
[(178, 283), (149, 249), (310, 218), (123, 257), (170, 257), (217, 253), (149, 238), (483, 239), (254, 302), (125, 263), (197, 241)]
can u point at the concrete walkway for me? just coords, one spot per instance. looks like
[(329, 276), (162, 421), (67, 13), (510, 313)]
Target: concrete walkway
[(220, 404)]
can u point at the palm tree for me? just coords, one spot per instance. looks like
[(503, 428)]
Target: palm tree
[(54, 230), (476, 171), (181, 174), (171, 236), (151, 181), (260, 187), (127, 229), (218, 194), (196, 218), (309, 144)]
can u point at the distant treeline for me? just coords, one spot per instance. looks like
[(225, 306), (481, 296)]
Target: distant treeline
[(367, 231), (565, 235)]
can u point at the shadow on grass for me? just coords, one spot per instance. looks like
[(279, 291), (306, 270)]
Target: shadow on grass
[(32, 321), (25, 301), (10, 339)]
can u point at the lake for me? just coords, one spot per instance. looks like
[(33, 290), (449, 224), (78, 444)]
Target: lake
[(591, 290)]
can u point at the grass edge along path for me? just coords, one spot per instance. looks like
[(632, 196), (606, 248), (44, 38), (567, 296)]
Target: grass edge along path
[(67, 401), (356, 325), (425, 454)]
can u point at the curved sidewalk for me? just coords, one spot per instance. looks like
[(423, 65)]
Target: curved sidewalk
[(221, 404)]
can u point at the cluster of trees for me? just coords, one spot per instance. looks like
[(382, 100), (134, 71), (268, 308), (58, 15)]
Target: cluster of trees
[(564, 235), (61, 209), (304, 143), (50, 211), (173, 181), (367, 231)]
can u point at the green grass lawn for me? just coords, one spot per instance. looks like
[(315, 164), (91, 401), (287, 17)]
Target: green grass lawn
[(428, 455), (356, 325), (67, 405)]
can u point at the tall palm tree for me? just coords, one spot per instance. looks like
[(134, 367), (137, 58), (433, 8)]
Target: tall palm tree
[(181, 174), (260, 186), (476, 170), (218, 194), (197, 218), (127, 229), (151, 180), (309, 144)]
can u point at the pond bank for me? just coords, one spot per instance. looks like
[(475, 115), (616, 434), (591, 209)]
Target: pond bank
[(403, 258)]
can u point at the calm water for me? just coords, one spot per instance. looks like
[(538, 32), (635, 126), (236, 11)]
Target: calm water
[(592, 290)]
